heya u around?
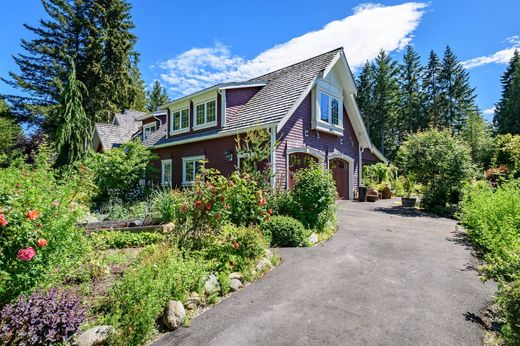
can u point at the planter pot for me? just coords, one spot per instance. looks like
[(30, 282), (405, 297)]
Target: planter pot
[(386, 193), (408, 202), (362, 193)]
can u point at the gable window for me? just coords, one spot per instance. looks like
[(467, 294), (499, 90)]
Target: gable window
[(190, 168), (329, 108), (148, 130), (180, 120), (206, 114), (166, 172)]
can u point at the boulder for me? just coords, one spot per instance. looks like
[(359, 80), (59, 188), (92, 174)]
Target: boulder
[(98, 335), (193, 301), (173, 314), (235, 285), (235, 275), (268, 254), (168, 228), (263, 265), (211, 285), (313, 238)]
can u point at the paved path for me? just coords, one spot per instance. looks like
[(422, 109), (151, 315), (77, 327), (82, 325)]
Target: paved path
[(388, 277)]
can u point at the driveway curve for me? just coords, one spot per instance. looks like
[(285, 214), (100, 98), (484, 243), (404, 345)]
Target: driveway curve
[(388, 277)]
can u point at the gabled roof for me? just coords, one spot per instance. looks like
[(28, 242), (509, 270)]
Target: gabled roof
[(123, 128)]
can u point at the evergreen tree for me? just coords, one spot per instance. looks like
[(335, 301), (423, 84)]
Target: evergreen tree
[(74, 130), (458, 97), (140, 100), (156, 97), (477, 134), (507, 110), (432, 103), (411, 92), (11, 133), (386, 104)]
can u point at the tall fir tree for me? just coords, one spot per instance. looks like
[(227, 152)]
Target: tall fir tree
[(156, 97), (432, 102), (458, 97), (411, 118), (74, 128), (507, 110), (386, 104)]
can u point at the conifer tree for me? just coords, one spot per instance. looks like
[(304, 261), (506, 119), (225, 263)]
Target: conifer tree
[(411, 92), (156, 97), (478, 135), (74, 128), (507, 110), (432, 102)]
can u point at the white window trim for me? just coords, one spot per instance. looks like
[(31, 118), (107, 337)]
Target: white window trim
[(164, 163), (189, 159), (182, 129), (333, 92), (239, 158), (147, 126), (206, 124)]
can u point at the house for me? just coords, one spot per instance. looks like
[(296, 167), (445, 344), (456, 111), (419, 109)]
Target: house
[(124, 127), (308, 107)]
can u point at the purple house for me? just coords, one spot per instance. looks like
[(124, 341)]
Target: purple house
[(309, 107)]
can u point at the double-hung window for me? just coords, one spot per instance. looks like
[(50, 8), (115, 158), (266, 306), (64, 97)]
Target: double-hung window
[(166, 172), (206, 114), (190, 168), (148, 130), (180, 120), (329, 109)]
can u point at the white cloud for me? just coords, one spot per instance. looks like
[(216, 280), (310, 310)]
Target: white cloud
[(489, 111), (501, 57), (370, 28)]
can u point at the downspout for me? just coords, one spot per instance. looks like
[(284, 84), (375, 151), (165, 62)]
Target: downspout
[(273, 157), (222, 93), (360, 168)]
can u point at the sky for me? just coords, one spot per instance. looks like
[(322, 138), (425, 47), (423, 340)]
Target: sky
[(189, 45)]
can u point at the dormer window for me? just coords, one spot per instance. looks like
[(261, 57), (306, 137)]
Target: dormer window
[(180, 121), (205, 114), (148, 130), (328, 108)]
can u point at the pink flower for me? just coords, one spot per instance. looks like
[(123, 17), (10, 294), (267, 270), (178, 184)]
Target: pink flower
[(198, 204), (262, 202), (209, 206), (3, 221), (269, 211), (218, 216), (55, 203), (41, 242), (33, 214), (26, 254)]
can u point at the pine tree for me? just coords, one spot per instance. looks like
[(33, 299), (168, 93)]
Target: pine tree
[(432, 102), (74, 130), (140, 101), (458, 97), (507, 110), (156, 97), (411, 92), (386, 104)]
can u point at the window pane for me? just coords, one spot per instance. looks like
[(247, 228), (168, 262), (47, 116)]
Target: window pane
[(200, 114), (176, 120), (334, 109), (324, 107), (211, 111), (167, 173), (190, 169), (185, 119)]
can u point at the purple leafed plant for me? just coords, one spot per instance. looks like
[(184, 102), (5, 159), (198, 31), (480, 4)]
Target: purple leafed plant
[(41, 319)]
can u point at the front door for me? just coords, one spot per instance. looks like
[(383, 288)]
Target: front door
[(340, 172)]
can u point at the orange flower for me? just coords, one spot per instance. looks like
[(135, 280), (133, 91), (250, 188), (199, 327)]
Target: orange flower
[(33, 214), (235, 244), (41, 242), (262, 202), (269, 211)]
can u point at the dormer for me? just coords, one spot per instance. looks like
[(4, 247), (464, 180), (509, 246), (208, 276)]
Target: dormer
[(327, 105)]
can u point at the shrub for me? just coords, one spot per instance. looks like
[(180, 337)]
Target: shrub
[(284, 231), (166, 204), (509, 302), (41, 319), (39, 209), (124, 239), (439, 162), (507, 152), (314, 194), (282, 203)]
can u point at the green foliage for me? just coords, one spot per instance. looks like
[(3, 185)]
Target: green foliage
[(166, 204), (118, 171), (124, 239), (410, 73), (477, 134), (284, 231), (38, 203), (376, 174), (507, 152), (156, 97), (509, 302), (507, 110), (314, 194), (281, 203), (440, 163)]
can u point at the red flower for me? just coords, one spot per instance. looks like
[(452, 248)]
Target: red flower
[(269, 211), (198, 203), (3, 221), (262, 202), (209, 206), (235, 244), (218, 216), (184, 208), (33, 214), (26, 254), (41, 242), (198, 193)]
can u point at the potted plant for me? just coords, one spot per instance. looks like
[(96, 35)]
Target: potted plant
[(409, 189)]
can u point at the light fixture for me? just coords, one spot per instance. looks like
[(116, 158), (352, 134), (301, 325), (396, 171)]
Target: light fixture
[(306, 133), (229, 155)]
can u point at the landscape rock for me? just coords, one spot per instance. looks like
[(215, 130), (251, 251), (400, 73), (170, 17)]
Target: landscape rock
[(263, 265), (268, 254), (313, 238), (168, 228), (211, 285), (235, 275), (173, 314), (95, 336), (235, 285), (193, 301)]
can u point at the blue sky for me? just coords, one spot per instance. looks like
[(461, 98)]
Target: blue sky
[(192, 44)]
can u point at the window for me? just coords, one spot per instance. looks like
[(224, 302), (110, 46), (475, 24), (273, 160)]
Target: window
[(324, 107), (166, 172), (206, 114), (329, 109), (180, 120), (190, 168), (148, 130)]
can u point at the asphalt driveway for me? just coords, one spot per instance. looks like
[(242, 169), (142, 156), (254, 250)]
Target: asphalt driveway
[(388, 277)]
